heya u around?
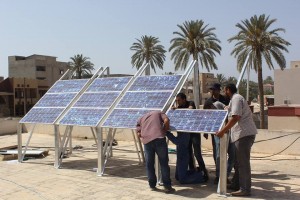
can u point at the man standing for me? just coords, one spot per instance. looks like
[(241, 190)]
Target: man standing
[(151, 128), (195, 139), (243, 131), (212, 103)]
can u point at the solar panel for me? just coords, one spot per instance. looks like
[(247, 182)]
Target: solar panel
[(42, 115), (83, 116), (100, 100), (124, 118), (74, 85), (192, 120), (144, 100), (108, 84), (154, 83), (95, 101), (56, 100)]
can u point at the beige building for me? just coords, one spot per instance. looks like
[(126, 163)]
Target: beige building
[(18, 95), (40, 67), (286, 85), (205, 82), (285, 115)]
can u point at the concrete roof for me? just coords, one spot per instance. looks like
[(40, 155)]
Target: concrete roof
[(276, 177)]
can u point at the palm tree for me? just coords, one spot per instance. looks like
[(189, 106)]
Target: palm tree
[(221, 79), (81, 66), (259, 42), (197, 40), (148, 50)]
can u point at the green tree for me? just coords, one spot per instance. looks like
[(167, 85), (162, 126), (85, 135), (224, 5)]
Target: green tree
[(221, 79), (196, 40), (81, 66), (259, 42), (268, 80), (148, 50)]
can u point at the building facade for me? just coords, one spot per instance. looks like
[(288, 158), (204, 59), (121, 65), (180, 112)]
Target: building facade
[(40, 67), (286, 85), (18, 95)]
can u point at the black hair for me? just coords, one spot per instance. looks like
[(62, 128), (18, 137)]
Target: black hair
[(231, 87), (181, 95)]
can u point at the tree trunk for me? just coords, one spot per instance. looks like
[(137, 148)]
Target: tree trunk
[(261, 98), (147, 70), (196, 89)]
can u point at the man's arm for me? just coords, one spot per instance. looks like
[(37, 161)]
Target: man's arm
[(138, 127), (166, 124), (229, 125)]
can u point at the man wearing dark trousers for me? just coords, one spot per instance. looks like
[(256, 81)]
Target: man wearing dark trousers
[(209, 104), (151, 128), (243, 132), (195, 139)]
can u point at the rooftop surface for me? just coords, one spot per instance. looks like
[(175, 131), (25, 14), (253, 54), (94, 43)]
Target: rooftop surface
[(276, 177)]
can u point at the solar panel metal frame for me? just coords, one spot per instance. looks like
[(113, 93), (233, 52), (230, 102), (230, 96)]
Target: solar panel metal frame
[(192, 111), (108, 124), (94, 92), (31, 112), (105, 123)]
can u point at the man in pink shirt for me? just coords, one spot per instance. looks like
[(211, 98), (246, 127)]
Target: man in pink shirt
[(152, 128)]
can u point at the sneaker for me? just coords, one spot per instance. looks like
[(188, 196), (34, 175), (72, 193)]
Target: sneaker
[(169, 189), (240, 193)]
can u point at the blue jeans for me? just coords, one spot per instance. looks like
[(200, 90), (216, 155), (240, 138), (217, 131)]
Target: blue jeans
[(160, 147), (231, 156)]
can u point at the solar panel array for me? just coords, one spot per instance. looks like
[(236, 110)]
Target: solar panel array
[(53, 103), (194, 120), (90, 108), (147, 93)]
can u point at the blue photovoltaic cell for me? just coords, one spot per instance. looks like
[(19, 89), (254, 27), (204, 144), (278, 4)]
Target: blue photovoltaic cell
[(144, 100), (192, 120), (42, 115), (108, 84), (74, 85), (83, 116), (55, 100), (124, 118), (154, 83), (100, 100)]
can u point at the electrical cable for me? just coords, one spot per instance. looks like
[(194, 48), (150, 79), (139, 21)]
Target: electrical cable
[(280, 151)]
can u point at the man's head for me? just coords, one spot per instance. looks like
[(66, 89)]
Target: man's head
[(230, 89), (180, 99), (215, 90)]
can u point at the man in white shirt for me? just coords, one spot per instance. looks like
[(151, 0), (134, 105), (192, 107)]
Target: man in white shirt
[(243, 131)]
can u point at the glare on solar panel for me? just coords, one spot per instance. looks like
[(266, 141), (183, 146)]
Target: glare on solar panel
[(42, 115), (56, 100), (192, 120), (108, 84), (144, 100), (97, 100), (124, 118), (74, 85), (83, 116), (154, 83)]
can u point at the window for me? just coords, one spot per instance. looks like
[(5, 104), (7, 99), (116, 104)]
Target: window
[(40, 68), (41, 78)]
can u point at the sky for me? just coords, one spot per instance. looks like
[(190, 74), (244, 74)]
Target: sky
[(105, 30)]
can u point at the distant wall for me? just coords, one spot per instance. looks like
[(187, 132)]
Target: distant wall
[(8, 125), (267, 144)]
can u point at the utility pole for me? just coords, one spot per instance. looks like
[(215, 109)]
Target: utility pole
[(24, 96)]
